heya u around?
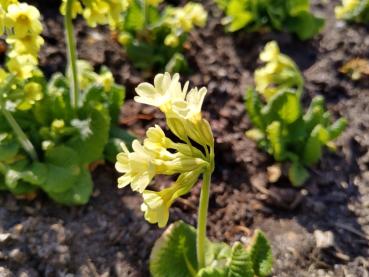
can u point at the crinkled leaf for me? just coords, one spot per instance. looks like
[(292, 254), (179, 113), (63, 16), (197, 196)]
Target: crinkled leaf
[(174, 254), (240, 264), (274, 136), (284, 105), (261, 254), (253, 107)]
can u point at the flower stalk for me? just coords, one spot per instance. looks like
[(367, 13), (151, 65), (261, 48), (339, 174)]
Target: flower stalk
[(72, 54)]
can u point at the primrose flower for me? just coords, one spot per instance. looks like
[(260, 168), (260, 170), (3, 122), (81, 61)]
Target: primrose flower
[(23, 19), (22, 66), (5, 3), (163, 93), (137, 167), (348, 8), (156, 204), (279, 72), (160, 155), (76, 8), (29, 44), (32, 94)]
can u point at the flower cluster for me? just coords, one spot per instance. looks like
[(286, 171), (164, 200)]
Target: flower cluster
[(353, 10), (279, 72), (183, 20), (21, 23), (98, 12), (159, 155)]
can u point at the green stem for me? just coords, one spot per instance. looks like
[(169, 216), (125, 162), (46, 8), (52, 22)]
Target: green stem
[(22, 137), (202, 219), (72, 54)]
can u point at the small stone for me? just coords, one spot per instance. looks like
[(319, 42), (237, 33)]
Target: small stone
[(4, 237), (17, 255), (323, 239), (4, 272)]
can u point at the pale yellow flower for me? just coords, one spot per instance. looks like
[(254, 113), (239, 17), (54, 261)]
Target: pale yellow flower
[(156, 204), (163, 93), (279, 72), (137, 167), (348, 6), (29, 44), (22, 66), (76, 8), (23, 19), (32, 94)]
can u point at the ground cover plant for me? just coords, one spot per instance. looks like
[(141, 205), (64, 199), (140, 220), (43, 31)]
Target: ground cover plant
[(281, 127), (51, 131), (319, 229), (155, 38), (352, 10), (292, 16), (182, 250)]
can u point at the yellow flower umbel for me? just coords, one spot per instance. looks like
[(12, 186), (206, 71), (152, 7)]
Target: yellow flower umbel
[(353, 10), (278, 72), (159, 155), (22, 25), (183, 20), (98, 12)]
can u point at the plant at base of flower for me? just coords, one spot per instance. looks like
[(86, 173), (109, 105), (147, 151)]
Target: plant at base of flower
[(155, 39), (280, 127), (281, 15), (182, 250), (353, 10)]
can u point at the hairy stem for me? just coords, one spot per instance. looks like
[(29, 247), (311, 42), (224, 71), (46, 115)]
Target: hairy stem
[(21, 136), (202, 219), (72, 54)]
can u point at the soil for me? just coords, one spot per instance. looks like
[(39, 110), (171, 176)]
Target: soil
[(321, 229)]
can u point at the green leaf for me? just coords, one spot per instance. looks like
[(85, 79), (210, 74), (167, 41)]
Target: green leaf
[(261, 255), (313, 148), (8, 149), (284, 105), (174, 253), (336, 129), (305, 25), (274, 136), (63, 169), (241, 263), (78, 194), (117, 136), (297, 174), (253, 108), (90, 146), (134, 17)]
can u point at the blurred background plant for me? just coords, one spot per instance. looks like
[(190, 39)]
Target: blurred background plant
[(51, 131), (154, 35), (281, 128), (281, 15), (353, 10)]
